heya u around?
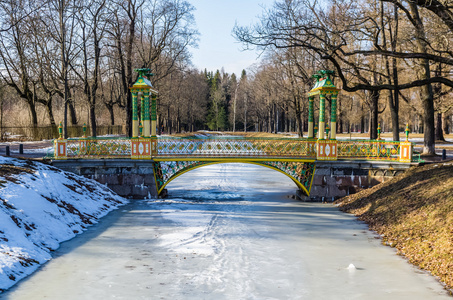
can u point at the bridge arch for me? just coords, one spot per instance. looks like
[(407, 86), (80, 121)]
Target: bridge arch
[(299, 171)]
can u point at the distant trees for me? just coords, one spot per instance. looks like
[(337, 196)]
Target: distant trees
[(217, 116), (74, 60), (369, 43), (88, 48)]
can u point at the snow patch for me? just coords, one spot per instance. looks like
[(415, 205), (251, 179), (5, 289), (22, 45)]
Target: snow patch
[(40, 207)]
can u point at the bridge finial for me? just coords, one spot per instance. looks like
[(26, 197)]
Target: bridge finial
[(407, 132), (316, 76), (326, 73), (144, 72)]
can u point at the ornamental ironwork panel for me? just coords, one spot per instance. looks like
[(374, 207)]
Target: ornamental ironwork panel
[(380, 150), (236, 147), (99, 148), (165, 171), (301, 172)]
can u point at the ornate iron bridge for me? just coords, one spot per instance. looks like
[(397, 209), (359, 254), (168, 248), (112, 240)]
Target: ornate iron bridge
[(174, 156)]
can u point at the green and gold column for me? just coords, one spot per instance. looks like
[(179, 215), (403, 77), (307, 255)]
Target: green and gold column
[(322, 124), (142, 112), (153, 114), (333, 117), (135, 122), (311, 117), (146, 125)]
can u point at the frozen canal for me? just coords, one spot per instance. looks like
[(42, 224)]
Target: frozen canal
[(227, 232)]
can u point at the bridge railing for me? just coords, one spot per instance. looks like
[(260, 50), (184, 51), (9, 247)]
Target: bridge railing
[(114, 147), (368, 149), (234, 147)]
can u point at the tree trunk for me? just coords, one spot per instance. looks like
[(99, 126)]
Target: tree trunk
[(111, 113), (394, 103), (168, 120), (274, 116), (362, 122), (374, 114), (130, 42), (245, 114), (269, 120), (160, 124), (50, 113), (393, 99), (33, 115), (428, 121), (427, 90), (394, 109), (178, 122), (420, 124), (72, 111), (93, 121), (439, 129), (445, 123), (300, 124)]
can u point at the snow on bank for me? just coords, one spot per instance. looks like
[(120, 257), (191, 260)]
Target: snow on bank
[(40, 207)]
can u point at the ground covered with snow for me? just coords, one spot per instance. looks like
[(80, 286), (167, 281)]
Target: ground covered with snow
[(40, 207)]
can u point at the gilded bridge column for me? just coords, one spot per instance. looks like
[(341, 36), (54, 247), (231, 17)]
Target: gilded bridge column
[(153, 114), (134, 115), (325, 149), (311, 117), (144, 147), (322, 108), (333, 117), (142, 112), (145, 121)]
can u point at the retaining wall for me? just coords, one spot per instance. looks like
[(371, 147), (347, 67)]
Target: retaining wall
[(335, 179), (332, 179), (127, 178)]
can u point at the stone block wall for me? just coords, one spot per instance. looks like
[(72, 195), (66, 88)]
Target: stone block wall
[(130, 179), (336, 179)]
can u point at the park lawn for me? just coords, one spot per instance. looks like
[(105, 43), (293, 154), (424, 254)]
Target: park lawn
[(414, 214)]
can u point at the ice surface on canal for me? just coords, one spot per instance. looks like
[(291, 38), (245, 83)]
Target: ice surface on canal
[(228, 232)]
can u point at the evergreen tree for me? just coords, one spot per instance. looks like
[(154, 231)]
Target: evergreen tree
[(217, 116)]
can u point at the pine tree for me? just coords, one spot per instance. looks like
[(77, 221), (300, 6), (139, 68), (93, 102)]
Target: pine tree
[(217, 116)]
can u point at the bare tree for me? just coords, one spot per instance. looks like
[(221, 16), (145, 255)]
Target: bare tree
[(16, 44), (123, 32), (346, 35), (92, 18)]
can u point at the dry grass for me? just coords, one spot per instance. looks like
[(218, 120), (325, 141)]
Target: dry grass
[(414, 214)]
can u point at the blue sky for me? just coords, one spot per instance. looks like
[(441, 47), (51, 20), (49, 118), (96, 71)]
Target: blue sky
[(215, 21)]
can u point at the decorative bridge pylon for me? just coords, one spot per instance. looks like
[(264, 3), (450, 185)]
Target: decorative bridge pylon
[(174, 156), (144, 138), (326, 147)]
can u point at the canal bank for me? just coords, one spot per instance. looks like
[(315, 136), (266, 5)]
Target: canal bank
[(414, 214)]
